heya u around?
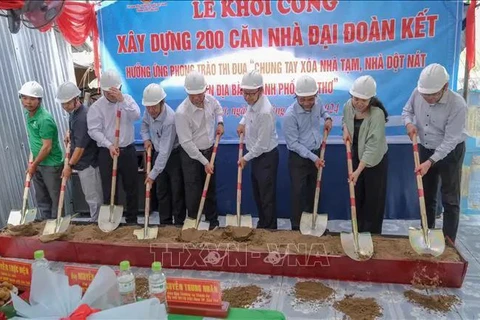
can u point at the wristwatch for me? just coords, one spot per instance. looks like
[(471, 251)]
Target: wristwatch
[(71, 165), (431, 160)]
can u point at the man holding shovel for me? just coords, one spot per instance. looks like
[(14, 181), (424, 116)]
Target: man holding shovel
[(47, 165), (301, 127), (101, 127), (158, 132), (195, 120), (440, 115), (258, 126), (83, 150)]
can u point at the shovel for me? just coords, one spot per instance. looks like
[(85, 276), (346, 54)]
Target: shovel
[(312, 223), (358, 246), (18, 217), (239, 220), (146, 232), (60, 224), (424, 241), (110, 216), (196, 223)]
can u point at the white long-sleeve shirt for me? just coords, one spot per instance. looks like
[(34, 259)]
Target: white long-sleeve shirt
[(260, 131), (101, 119), (196, 126), (440, 126)]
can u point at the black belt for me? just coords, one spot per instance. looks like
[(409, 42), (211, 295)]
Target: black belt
[(174, 150), (127, 147), (317, 151), (206, 151)]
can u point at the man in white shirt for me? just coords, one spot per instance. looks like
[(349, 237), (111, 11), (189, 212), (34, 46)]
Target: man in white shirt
[(158, 132), (261, 140), (440, 116), (101, 119), (195, 121)]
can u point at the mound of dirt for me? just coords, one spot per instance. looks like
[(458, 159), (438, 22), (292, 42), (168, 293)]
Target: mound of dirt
[(436, 302), (242, 297), (359, 308), (313, 291)]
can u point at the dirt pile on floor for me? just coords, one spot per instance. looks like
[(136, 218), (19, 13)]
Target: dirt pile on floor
[(312, 291), (241, 238), (244, 296), (141, 287), (359, 308), (435, 302)]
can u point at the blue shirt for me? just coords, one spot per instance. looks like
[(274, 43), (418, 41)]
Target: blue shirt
[(161, 131), (79, 138), (302, 129)]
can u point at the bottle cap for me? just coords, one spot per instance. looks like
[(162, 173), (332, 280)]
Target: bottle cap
[(124, 265), (156, 266), (39, 254)]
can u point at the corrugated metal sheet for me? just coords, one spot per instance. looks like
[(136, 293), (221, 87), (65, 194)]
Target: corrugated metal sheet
[(25, 56)]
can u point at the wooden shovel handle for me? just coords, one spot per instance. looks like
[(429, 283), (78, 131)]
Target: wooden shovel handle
[(64, 180), (207, 181), (28, 179), (115, 158), (421, 197), (353, 207), (239, 175), (148, 188), (320, 171)]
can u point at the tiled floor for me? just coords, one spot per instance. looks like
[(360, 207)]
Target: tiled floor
[(390, 297)]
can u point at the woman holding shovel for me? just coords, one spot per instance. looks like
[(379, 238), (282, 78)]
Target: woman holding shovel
[(363, 125)]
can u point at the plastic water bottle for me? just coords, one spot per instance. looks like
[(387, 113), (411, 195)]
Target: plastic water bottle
[(157, 286), (126, 283), (40, 261)]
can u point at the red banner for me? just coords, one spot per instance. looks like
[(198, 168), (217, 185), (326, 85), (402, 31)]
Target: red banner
[(17, 273), (194, 291)]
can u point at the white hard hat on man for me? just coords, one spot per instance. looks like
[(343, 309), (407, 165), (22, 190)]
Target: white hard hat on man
[(432, 79), (195, 83), (153, 94), (306, 86), (252, 80), (67, 92), (31, 89), (110, 79)]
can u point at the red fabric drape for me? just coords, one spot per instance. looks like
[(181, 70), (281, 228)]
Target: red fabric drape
[(470, 35), (11, 4)]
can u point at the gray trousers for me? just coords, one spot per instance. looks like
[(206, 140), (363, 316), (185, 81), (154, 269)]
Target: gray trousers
[(47, 181), (91, 183)]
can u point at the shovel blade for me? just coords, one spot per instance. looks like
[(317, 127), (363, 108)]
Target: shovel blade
[(246, 221), (15, 217), (50, 227), (231, 220), (307, 227), (435, 245), (203, 225), (64, 224), (151, 233), (109, 217), (189, 224), (361, 251)]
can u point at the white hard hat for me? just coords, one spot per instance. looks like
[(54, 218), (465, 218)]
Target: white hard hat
[(110, 79), (252, 80), (195, 83), (364, 87), (306, 86), (153, 94), (432, 79), (31, 89), (67, 91)]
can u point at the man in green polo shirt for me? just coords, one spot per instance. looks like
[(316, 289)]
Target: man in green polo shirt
[(47, 165)]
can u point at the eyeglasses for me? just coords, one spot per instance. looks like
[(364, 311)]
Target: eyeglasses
[(250, 94)]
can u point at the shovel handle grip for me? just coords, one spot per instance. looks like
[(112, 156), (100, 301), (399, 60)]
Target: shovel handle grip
[(353, 207), (207, 181), (421, 197), (239, 175), (115, 158), (319, 173)]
